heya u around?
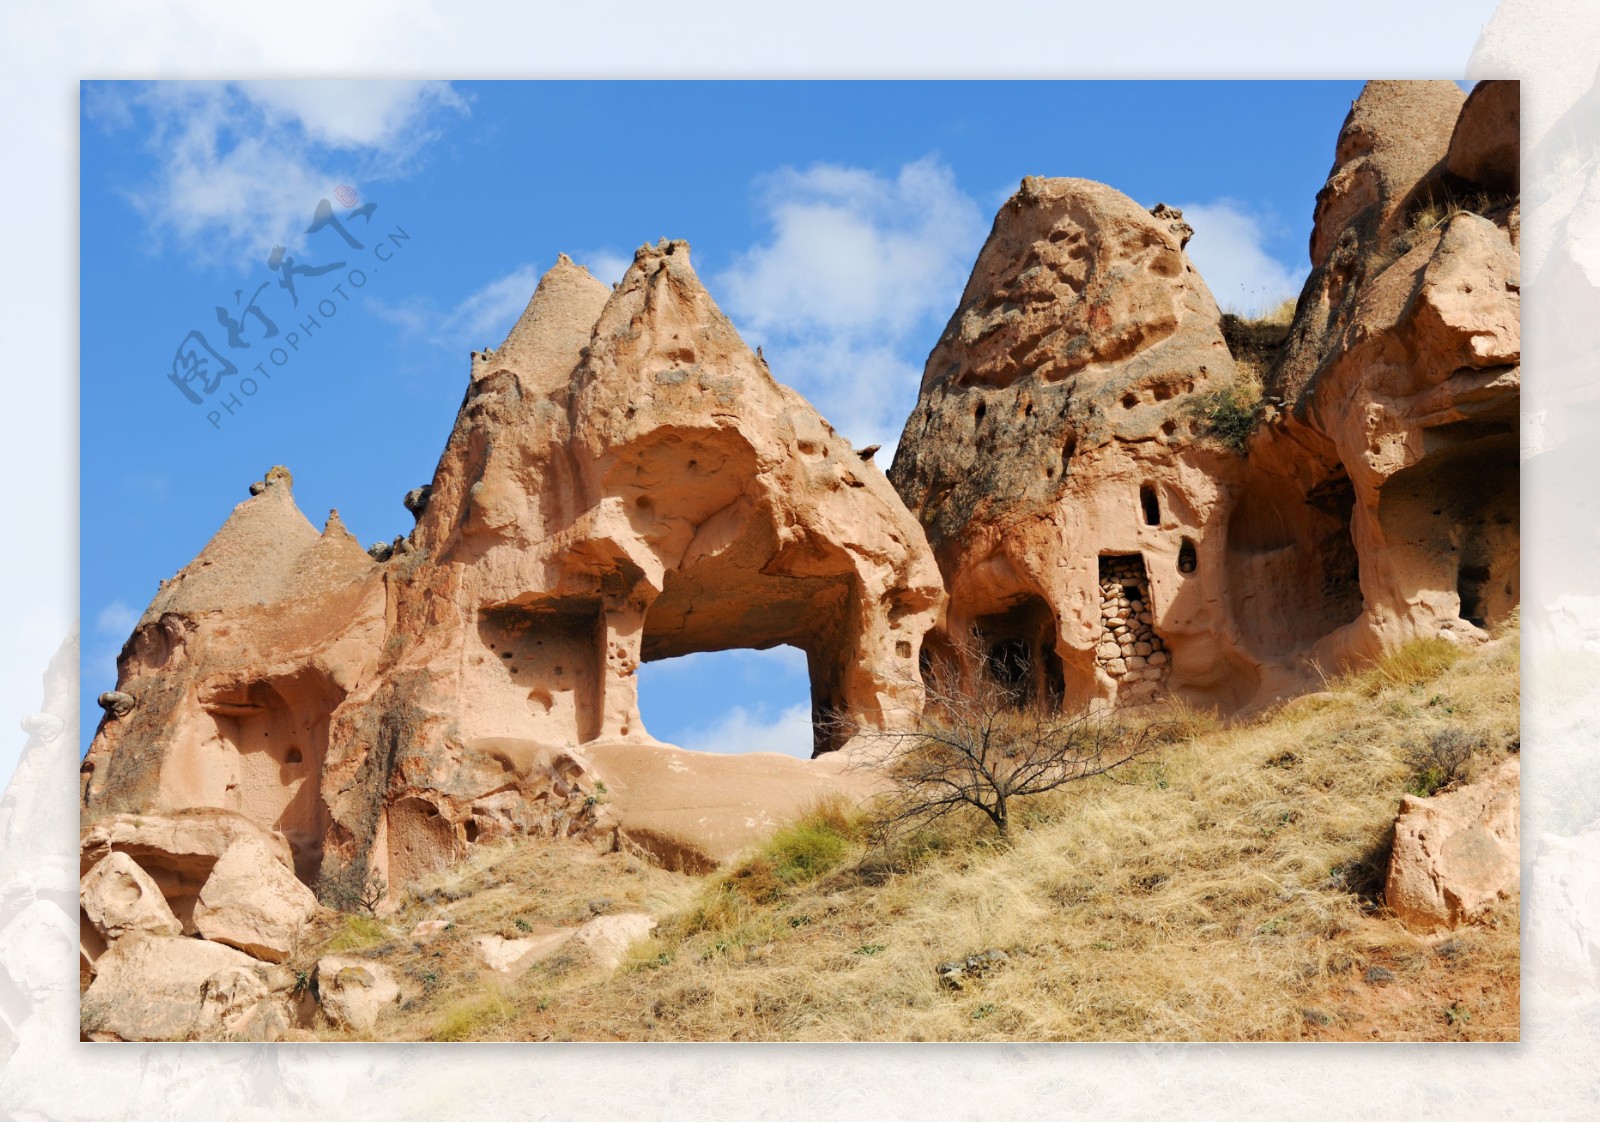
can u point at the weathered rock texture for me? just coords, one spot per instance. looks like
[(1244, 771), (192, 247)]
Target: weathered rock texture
[(1455, 854), (625, 482), (1061, 455)]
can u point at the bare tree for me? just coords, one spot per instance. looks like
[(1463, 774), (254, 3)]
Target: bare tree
[(985, 740)]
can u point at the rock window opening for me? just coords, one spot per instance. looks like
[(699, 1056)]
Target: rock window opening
[(735, 701), (1150, 505), (1187, 559), (1129, 650)]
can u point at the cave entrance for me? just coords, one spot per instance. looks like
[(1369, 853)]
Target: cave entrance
[(1452, 519), (273, 737), (542, 668), (1018, 648), (734, 701)]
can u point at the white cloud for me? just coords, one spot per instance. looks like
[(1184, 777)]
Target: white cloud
[(1227, 249), (485, 317), (242, 165), (116, 620), (744, 731), (852, 285), (605, 265), (367, 114)]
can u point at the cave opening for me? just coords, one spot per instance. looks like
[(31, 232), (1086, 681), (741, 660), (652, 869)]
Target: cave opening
[(1150, 505), (266, 759), (1018, 649)]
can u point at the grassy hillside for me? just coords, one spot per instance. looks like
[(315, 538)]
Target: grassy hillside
[(1227, 889)]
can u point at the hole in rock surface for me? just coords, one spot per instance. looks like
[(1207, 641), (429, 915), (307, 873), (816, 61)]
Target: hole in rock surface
[(1018, 647), (736, 701), (1150, 505)]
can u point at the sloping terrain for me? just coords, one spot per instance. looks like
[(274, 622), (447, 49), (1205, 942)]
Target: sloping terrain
[(1228, 888)]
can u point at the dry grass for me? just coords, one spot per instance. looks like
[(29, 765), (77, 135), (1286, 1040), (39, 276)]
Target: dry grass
[(1228, 889)]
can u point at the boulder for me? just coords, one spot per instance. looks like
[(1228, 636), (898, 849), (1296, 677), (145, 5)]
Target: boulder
[(253, 902), (513, 957), (118, 898), (151, 988), (35, 950), (247, 1003), (608, 938), (355, 992), (1455, 854), (178, 849)]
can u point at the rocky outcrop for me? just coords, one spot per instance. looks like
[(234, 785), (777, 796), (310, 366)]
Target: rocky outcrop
[(178, 851), (1056, 454), (1401, 377), (625, 482), (1455, 854), (1064, 457), (208, 873)]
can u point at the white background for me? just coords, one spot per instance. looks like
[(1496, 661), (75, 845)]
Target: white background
[(1552, 45)]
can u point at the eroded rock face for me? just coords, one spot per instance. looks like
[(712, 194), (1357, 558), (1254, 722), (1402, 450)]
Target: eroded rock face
[(1401, 377), (625, 482), (1455, 854), (1059, 455), (177, 851), (1052, 453)]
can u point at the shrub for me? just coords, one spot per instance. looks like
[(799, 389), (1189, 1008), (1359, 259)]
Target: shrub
[(1443, 760)]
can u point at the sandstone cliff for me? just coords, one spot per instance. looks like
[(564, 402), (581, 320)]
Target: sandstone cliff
[(1089, 523), (626, 481)]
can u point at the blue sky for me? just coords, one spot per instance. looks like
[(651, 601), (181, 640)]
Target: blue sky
[(834, 222)]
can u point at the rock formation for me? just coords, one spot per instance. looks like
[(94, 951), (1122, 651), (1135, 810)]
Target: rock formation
[(1087, 484), (625, 482), (1455, 854), (1063, 457)]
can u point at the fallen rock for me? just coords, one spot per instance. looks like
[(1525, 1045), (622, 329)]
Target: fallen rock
[(35, 946), (608, 938), (150, 988), (118, 898), (426, 930), (957, 973), (253, 1003), (355, 992), (1455, 854), (252, 902), (513, 957), (177, 849)]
